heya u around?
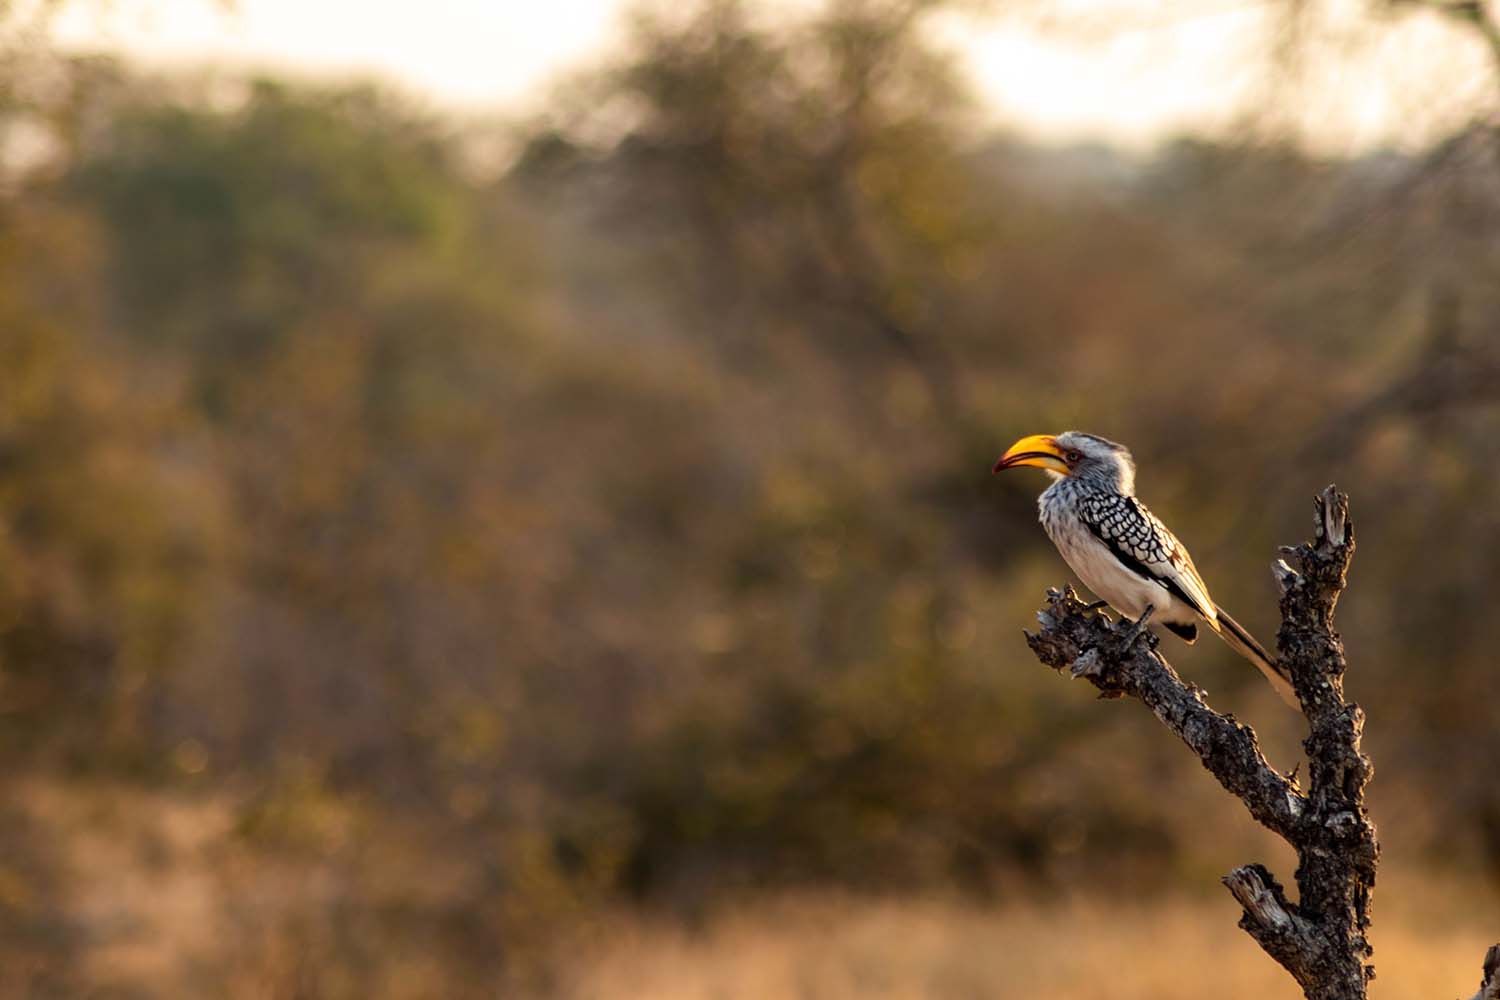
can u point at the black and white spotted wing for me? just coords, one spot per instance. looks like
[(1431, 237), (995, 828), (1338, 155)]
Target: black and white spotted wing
[(1146, 546)]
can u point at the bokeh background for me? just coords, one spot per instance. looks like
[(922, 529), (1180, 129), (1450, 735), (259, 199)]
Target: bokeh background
[(546, 548)]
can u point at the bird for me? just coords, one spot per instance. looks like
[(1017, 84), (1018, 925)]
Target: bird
[(1122, 551)]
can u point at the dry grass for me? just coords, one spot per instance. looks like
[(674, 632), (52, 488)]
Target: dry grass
[(829, 947), (174, 904)]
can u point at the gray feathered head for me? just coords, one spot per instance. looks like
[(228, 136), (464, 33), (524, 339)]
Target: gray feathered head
[(1077, 455)]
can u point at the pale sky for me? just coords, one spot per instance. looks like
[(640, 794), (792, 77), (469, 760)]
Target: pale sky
[(1128, 72)]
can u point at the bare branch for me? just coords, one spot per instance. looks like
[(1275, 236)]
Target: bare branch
[(1320, 940), (1121, 659), (1273, 922), (1489, 986)]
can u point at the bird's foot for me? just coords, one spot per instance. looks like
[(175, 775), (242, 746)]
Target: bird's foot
[(1138, 628)]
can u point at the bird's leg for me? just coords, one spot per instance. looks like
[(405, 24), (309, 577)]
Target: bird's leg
[(1139, 628), (1095, 606)]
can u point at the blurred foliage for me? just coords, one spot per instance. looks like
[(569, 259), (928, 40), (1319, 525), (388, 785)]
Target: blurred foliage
[(494, 546)]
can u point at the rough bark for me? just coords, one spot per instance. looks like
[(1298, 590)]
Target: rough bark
[(1320, 939), (1489, 986)]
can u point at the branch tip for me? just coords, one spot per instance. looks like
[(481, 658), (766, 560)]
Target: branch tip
[(1261, 896), (1284, 575), (1489, 986), (1333, 516)]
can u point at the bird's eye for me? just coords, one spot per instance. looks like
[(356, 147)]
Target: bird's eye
[(1073, 457)]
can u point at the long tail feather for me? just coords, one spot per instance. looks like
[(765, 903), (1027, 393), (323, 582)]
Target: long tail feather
[(1242, 642)]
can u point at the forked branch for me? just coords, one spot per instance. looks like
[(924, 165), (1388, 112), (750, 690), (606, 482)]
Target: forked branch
[(1320, 939)]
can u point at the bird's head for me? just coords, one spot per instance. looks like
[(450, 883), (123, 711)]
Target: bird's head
[(1075, 454)]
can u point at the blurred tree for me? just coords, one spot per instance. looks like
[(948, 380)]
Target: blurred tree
[(497, 545), (99, 577), (806, 177)]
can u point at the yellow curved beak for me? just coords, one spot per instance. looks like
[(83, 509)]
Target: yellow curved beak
[(1039, 450)]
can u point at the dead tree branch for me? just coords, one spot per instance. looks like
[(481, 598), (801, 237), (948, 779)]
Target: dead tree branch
[(1489, 986), (1320, 939)]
